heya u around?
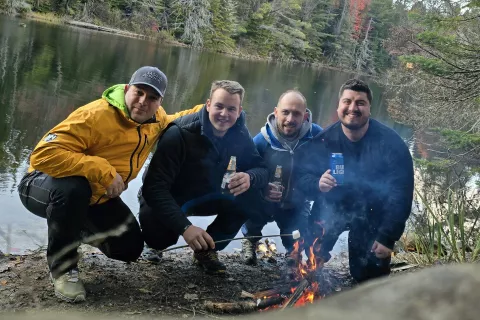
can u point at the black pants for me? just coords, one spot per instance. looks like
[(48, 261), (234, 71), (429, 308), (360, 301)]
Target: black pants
[(288, 220), (364, 265), (231, 214), (64, 202)]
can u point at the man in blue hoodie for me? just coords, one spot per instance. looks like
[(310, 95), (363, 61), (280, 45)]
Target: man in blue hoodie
[(287, 129)]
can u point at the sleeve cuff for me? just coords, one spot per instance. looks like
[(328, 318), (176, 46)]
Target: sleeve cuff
[(182, 225), (109, 178), (385, 240)]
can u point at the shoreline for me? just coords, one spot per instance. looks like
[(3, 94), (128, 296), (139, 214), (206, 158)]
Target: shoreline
[(59, 20)]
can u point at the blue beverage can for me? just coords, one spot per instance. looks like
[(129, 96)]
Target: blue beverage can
[(337, 168)]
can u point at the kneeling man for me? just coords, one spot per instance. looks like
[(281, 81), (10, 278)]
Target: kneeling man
[(185, 178)]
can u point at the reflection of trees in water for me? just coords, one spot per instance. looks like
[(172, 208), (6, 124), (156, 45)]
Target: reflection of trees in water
[(48, 71)]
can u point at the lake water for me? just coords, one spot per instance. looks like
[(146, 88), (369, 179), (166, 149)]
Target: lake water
[(46, 71)]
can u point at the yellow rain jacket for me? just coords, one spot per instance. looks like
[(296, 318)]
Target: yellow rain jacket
[(99, 140)]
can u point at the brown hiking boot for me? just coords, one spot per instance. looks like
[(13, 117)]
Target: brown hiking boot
[(208, 259)]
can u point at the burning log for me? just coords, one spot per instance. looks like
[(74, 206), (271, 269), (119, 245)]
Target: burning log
[(296, 295), (242, 306), (284, 289)]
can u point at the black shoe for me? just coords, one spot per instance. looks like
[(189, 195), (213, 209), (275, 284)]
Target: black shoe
[(248, 252), (152, 255), (208, 259)]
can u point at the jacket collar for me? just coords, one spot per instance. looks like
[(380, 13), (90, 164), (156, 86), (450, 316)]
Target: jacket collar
[(269, 135), (207, 128)]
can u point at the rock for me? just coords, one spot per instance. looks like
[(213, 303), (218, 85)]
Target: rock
[(190, 296), (440, 293)]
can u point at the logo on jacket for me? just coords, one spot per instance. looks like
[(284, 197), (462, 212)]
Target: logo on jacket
[(50, 137)]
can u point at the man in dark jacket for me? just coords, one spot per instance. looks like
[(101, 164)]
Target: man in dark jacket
[(185, 178), (287, 130), (375, 198)]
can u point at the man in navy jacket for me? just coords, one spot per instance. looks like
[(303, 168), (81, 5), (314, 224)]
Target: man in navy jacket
[(287, 130), (185, 175), (375, 198)]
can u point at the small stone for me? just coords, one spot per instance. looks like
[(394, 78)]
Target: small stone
[(190, 296)]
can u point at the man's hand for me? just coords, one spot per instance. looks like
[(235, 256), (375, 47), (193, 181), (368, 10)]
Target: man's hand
[(239, 183), (381, 252), (273, 194), (198, 239), (327, 182), (116, 187)]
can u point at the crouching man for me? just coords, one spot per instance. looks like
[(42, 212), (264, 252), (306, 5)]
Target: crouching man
[(81, 167), (185, 176), (287, 130), (370, 193)]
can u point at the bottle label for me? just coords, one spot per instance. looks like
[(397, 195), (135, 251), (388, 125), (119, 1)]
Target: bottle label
[(226, 179)]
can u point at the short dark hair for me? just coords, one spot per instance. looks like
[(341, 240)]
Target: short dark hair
[(356, 85)]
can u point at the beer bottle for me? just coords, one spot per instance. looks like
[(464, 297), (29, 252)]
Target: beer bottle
[(231, 169), (277, 179)]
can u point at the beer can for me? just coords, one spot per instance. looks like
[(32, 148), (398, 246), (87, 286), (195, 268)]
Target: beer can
[(337, 167)]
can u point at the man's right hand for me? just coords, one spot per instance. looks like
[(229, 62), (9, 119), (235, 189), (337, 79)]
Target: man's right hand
[(198, 239), (327, 182), (116, 188), (273, 194)]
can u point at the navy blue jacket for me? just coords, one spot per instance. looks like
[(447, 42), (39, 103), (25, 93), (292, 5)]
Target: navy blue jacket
[(190, 162), (378, 178), (272, 151)]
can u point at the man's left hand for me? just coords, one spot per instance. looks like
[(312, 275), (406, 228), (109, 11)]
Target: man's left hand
[(381, 252), (239, 183)]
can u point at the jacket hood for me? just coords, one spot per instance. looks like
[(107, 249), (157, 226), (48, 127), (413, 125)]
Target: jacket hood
[(115, 96), (272, 135)]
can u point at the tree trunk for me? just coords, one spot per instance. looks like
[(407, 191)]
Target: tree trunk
[(338, 28)]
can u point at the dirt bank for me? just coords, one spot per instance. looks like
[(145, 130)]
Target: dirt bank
[(175, 287)]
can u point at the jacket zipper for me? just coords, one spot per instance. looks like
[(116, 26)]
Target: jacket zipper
[(133, 154), (141, 150), (290, 176)]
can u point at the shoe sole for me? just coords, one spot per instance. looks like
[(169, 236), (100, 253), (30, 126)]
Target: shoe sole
[(79, 298)]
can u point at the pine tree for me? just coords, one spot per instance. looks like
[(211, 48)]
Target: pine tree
[(223, 25), (192, 18)]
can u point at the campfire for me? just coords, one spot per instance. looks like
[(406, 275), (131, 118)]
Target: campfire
[(301, 285)]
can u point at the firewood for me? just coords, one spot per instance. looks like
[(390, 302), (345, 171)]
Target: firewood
[(296, 295), (242, 306), (245, 294), (230, 307), (274, 291)]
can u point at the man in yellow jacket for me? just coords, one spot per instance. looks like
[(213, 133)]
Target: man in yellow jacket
[(80, 167)]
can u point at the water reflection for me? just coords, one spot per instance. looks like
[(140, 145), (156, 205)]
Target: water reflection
[(47, 71)]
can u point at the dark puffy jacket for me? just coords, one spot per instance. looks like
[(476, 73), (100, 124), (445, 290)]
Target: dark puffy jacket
[(190, 162), (272, 151), (378, 178)]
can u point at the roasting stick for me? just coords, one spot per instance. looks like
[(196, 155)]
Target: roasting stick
[(295, 235)]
